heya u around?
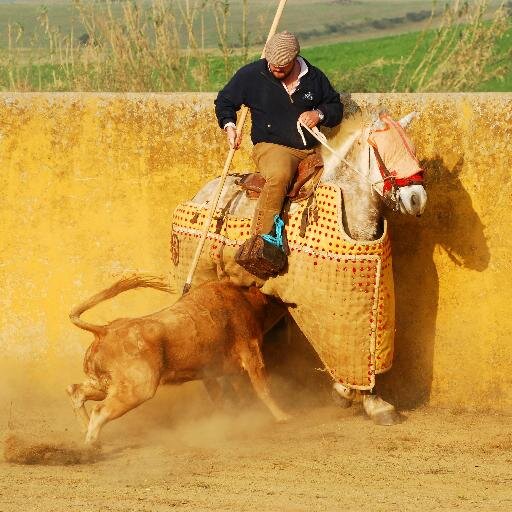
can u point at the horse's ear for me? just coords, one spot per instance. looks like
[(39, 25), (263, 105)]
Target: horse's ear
[(379, 119), (379, 125), (406, 120), (383, 112)]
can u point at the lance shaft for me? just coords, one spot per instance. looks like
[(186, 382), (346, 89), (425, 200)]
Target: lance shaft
[(227, 165)]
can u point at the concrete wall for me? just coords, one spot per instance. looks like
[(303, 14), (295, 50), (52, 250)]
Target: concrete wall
[(89, 182)]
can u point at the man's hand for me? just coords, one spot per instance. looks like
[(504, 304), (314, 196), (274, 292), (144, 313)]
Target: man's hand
[(233, 140), (310, 118)]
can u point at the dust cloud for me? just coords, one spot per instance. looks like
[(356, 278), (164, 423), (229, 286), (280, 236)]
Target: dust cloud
[(178, 451), (24, 450), (40, 427)]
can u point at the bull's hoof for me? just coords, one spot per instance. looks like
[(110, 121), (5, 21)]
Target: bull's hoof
[(379, 411), (342, 396)]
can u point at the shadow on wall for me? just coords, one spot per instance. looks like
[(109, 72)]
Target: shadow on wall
[(449, 224)]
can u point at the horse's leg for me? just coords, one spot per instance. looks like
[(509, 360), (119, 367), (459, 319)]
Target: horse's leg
[(375, 407), (378, 410), (342, 395)]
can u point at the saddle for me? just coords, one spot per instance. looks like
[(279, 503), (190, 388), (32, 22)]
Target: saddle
[(256, 255), (303, 184)]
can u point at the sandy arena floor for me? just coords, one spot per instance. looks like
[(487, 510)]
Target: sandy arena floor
[(176, 453)]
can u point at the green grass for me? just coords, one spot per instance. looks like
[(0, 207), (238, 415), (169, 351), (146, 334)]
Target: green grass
[(315, 20), (341, 61), (351, 66), (25, 15)]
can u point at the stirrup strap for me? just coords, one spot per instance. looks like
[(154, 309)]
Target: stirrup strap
[(278, 239)]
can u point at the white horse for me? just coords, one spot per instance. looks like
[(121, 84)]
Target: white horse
[(373, 163)]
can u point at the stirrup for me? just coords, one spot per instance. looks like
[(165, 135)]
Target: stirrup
[(264, 256)]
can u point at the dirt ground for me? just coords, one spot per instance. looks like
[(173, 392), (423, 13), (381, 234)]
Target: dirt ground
[(177, 453)]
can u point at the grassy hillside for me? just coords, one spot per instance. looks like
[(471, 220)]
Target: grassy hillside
[(348, 65), (133, 55), (371, 65), (340, 61), (316, 21)]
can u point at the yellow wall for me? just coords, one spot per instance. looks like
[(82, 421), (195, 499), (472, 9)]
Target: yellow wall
[(89, 182)]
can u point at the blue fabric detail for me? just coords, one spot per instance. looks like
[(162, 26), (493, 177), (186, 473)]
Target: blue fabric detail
[(278, 239)]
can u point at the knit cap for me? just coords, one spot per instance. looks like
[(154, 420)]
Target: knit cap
[(282, 48)]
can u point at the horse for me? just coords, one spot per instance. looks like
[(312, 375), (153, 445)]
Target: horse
[(340, 255)]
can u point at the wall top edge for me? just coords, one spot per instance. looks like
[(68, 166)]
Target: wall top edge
[(183, 96)]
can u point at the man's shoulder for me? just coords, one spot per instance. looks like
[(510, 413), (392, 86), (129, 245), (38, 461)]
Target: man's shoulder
[(252, 68), (244, 79)]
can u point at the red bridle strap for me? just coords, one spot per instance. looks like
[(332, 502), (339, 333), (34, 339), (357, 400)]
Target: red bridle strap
[(390, 179)]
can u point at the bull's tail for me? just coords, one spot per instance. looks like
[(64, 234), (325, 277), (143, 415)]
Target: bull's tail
[(128, 283)]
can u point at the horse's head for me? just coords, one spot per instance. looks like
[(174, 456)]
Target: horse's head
[(394, 168), (369, 162)]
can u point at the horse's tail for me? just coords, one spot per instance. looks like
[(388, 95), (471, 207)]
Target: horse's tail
[(127, 283)]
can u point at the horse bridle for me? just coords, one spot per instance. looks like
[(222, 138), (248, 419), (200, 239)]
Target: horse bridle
[(391, 184)]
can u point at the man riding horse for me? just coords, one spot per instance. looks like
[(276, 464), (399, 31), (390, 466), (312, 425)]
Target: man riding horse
[(338, 279), (279, 90)]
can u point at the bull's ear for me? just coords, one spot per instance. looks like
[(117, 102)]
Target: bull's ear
[(406, 120)]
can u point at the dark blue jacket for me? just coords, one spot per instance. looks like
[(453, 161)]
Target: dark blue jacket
[(274, 113)]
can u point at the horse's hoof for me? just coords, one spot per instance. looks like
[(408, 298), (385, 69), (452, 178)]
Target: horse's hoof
[(387, 419), (340, 401), (342, 396), (379, 411)]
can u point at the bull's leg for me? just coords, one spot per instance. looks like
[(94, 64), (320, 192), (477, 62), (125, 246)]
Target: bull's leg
[(225, 394), (113, 407), (79, 394), (101, 414), (379, 411), (215, 391), (252, 363), (236, 386), (124, 395)]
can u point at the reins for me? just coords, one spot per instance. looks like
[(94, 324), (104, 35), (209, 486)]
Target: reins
[(320, 137), (391, 184)]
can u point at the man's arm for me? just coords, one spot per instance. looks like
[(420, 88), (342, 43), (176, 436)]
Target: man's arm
[(228, 102), (330, 105), (329, 111)]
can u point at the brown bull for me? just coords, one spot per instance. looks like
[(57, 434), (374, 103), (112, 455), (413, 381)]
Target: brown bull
[(216, 329)]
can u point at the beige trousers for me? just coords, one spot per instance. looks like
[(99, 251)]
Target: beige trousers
[(277, 164)]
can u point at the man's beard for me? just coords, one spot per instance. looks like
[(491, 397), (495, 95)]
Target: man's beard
[(287, 74)]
